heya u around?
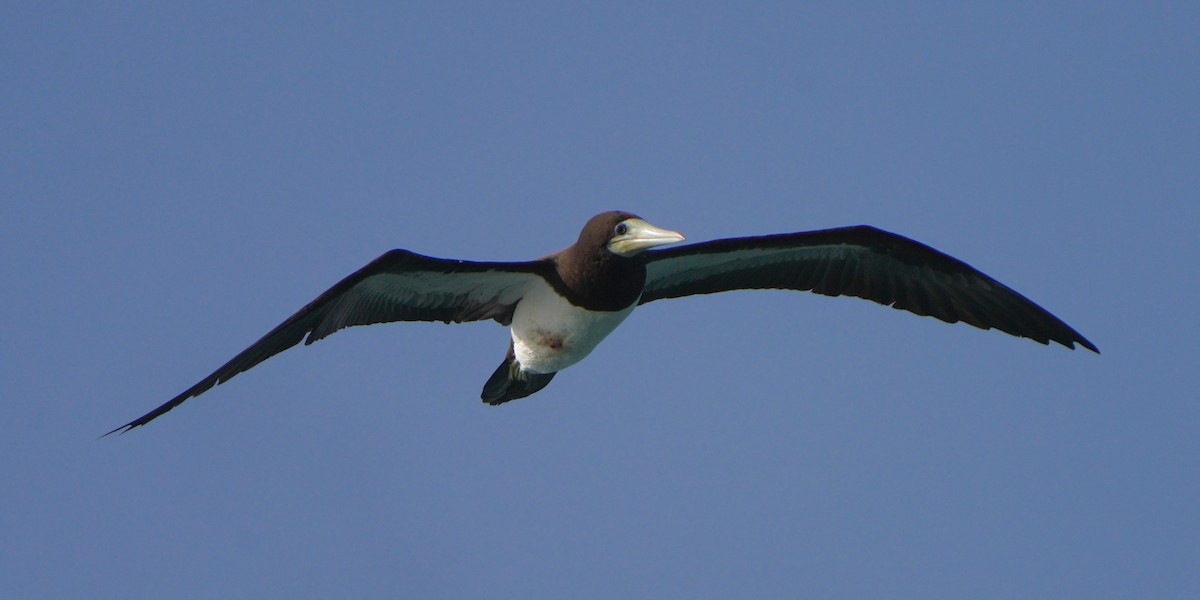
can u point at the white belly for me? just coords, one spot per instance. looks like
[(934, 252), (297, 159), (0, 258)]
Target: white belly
[(550, 334)]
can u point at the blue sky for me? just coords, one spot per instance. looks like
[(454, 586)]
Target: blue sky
[(178, 179)]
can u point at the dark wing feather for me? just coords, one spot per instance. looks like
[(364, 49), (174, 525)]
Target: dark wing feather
[(398, 286), (855, 261)]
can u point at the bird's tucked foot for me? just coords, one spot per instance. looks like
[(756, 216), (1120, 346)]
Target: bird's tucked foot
[(510, 382)]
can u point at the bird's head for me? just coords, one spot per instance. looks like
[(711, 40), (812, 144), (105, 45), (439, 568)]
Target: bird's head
[(625, 234)]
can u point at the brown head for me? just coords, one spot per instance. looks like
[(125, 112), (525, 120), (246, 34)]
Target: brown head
[(604, 269)]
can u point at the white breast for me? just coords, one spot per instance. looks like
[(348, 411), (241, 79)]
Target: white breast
[(550, 334)]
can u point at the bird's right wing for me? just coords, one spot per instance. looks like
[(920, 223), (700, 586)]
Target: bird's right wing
[(398, 286), (861, 261)]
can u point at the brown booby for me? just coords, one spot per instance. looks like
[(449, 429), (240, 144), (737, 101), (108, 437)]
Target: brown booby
[(559, 307)]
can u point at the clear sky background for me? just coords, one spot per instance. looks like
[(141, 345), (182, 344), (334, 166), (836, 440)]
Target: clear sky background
[(177, 180)]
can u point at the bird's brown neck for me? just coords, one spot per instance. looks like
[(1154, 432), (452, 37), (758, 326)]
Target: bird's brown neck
[(601, 281)]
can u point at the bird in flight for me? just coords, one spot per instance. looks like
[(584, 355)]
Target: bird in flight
[(559, 307)]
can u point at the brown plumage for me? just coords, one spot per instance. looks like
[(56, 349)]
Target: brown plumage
[(588, 288)]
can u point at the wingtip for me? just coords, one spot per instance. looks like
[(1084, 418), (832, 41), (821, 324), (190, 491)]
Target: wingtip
[(119, 431), (126, 428)]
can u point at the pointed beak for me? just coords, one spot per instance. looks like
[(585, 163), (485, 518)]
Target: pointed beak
[(641, 236)]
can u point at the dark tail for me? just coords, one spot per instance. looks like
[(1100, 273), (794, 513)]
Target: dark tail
[(509, 382)]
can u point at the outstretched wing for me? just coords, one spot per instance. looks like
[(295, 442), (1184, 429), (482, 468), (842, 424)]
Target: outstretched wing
[(855, 261), (398, 286)]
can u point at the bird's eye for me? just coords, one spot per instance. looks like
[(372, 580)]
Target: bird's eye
[(621, 229)]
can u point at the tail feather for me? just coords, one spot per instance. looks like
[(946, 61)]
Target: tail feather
[(510, 382)]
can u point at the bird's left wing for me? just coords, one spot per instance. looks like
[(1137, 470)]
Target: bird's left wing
[(855, 261), (398, 286)]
